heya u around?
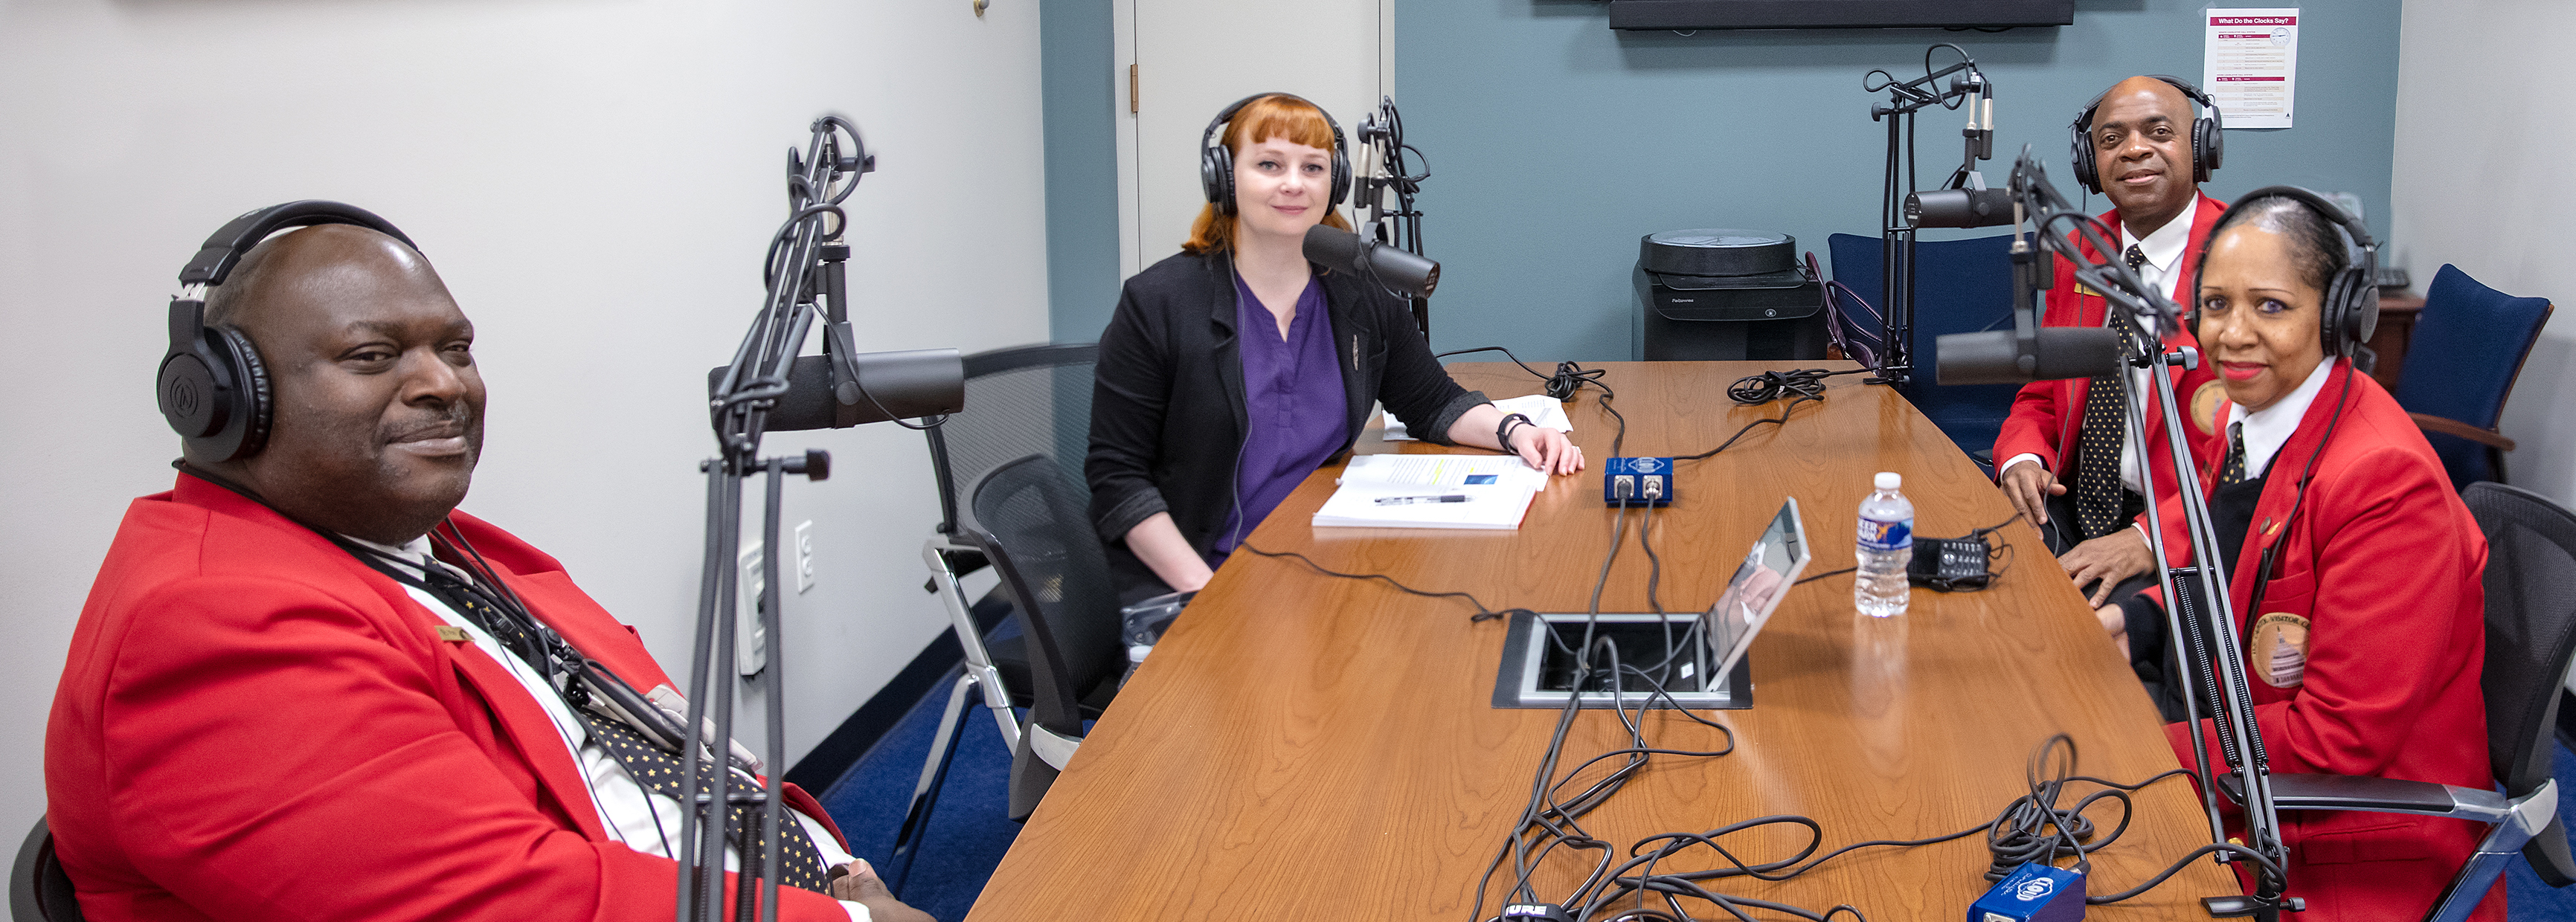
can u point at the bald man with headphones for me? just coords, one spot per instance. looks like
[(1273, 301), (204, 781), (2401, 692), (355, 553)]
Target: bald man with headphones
[(2067, 461), (304, 686)]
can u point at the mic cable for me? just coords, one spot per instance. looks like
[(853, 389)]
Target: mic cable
[(1569, 379), (1801, 385), (1753, 390)]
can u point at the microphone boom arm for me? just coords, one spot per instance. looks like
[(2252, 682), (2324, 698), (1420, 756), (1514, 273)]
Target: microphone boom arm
[(1382, 138), (1896, 232), (805, 276)]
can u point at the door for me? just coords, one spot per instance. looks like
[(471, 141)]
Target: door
[(1192, 57)]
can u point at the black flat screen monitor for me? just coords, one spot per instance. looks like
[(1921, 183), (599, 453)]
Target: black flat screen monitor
[(1838, 14)]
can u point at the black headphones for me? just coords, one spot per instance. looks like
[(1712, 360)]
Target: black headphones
[(2350, 311), (212, 387), (1216, 162), (2208, 145)]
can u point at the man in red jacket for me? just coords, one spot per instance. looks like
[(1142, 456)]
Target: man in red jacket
[(2065, 459), (297, 690)]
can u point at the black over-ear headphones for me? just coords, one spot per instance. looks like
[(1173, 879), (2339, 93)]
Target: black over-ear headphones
[(1216, 162), (2208, 143), (212, 387), (2350, 312)]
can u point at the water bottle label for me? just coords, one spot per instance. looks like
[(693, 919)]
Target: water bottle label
[(1886, 536)]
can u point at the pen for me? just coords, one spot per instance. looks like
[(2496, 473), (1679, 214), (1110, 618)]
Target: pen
[(1403, 500)]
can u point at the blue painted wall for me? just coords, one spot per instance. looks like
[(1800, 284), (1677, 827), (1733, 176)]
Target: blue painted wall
[(1081, 166), (1555, 142)]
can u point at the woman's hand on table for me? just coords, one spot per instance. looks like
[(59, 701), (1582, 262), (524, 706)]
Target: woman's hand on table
[(1546, 449)]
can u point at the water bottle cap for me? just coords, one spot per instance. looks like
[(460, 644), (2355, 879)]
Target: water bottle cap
[(1888, 480)]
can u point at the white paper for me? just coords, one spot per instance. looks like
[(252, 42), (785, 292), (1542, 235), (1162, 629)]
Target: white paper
[(1543, 411), (1488, 507), (1444, 471), (2251, 64)]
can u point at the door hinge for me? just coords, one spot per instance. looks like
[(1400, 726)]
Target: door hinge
[(1131, 89)]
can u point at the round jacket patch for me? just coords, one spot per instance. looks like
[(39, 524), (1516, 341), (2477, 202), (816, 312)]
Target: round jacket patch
[(2281, 649), (2205, 404)]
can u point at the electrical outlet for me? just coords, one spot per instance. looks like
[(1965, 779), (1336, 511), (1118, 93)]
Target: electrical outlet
[(750, 654), (805, 556)]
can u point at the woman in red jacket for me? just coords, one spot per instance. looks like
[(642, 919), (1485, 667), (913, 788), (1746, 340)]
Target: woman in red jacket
[(2354, 567)]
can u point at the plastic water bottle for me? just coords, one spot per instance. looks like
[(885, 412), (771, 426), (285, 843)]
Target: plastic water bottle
[(1886, 545)]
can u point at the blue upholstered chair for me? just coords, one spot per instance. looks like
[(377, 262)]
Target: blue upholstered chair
[(2467, 348), (1960, 286)]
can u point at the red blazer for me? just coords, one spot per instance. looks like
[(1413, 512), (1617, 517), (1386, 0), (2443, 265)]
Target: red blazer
[(2047, 416), (2384, 563), (252, 724)]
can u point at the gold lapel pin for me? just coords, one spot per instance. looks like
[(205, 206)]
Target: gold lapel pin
[(453, 634)]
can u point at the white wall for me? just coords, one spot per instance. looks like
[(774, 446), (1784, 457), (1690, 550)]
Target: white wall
[(595, 179), (2480, 181)]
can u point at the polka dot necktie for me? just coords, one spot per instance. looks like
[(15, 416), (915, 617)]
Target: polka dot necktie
[(650, 765), (2232, 471), (2098, 492)]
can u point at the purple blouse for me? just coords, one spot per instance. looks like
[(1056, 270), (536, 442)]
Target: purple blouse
[(1293, 402)]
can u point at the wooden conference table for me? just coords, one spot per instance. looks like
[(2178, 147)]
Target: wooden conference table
[(1303, 747)]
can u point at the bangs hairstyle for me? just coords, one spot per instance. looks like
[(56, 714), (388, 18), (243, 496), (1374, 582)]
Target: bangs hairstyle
[(1285, 118)]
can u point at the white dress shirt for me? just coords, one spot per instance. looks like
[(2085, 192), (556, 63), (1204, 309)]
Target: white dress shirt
[(2164, 249), (645, 820), (2269, 428)]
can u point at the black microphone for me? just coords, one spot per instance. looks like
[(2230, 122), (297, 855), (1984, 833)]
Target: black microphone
[(1999, 358), (1959, 208), (1402, 272), (897, 385)]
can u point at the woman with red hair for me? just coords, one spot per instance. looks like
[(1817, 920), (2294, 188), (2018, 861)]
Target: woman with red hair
[(1235, 368)]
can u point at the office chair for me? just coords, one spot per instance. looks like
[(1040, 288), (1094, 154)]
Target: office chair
[(38, 889), (1960, 286), (2531, 637), (1022, 403), (1033, 526), (2461, 361)]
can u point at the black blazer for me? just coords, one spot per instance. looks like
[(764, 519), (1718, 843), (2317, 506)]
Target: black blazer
[(1167, 410)]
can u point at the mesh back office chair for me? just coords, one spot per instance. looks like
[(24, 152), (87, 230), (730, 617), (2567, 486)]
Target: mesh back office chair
[(38, 889), (1961, 286), (2531, 637), (2461, 361), (1021, 403), (1032, 525)]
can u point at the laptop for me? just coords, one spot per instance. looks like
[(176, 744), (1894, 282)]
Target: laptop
[(1696, 658)]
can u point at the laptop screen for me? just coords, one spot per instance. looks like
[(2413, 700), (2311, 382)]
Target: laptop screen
[(1769, 569)]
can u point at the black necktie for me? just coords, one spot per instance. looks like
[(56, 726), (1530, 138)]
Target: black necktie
[(2232, 471), (2099, 495), (649, 764), (2098, 492)]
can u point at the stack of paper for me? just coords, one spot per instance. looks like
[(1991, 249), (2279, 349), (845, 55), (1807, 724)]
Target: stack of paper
[(1432, 491), (1542, 410)]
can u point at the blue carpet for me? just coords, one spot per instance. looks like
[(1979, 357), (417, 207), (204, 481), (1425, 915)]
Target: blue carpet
[(968, 830), (2526, 898)]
